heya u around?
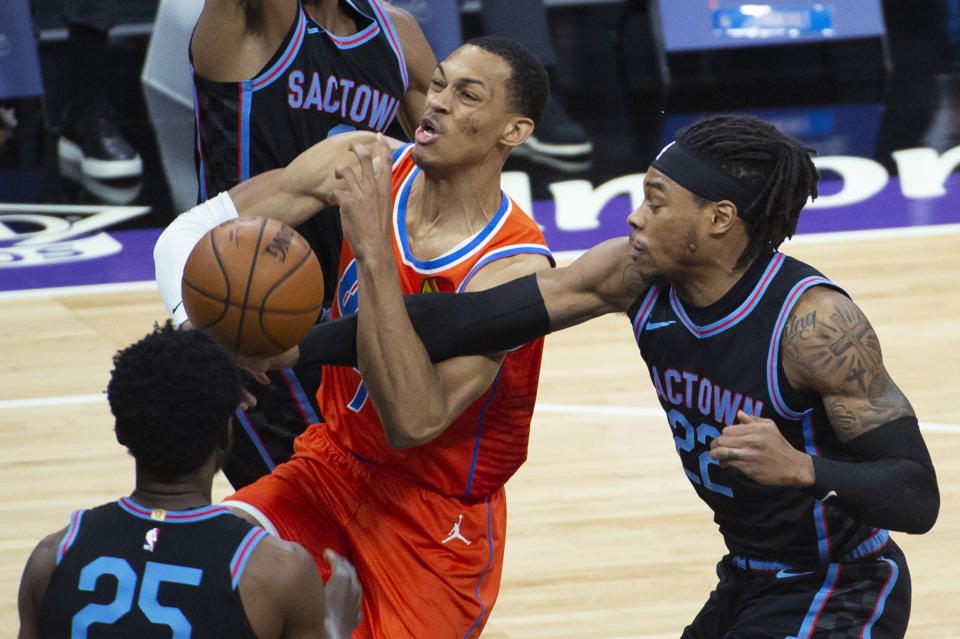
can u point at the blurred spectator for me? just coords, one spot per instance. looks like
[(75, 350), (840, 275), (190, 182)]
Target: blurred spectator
[(89, 136)]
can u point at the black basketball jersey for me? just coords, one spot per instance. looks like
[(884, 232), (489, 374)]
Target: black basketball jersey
[(707, 363), (127, 571), (316, 85)]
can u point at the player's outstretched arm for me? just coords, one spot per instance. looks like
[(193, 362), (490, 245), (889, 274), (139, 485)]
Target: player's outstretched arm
[(889, 480), (292, 195), (421, 63), (495, 319), (304, 187)]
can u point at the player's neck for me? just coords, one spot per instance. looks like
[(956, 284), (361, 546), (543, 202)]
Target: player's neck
[(707, 285), (452, 204), (473, 193), (189, 491)]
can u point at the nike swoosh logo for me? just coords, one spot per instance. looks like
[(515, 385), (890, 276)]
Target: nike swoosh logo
[(655, 325), (785, 574)]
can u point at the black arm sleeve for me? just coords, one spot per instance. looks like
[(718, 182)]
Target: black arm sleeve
[(892, 485), (448, 324)]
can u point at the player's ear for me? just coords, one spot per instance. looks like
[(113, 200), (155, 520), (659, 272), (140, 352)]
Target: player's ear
[(517, 130), (723, 216)]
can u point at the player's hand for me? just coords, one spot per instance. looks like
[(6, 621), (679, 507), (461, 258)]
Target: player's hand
[(258, 366), (755, 447), (364, 196), (342, 595)]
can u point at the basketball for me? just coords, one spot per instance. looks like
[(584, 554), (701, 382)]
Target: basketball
[(255, 284)]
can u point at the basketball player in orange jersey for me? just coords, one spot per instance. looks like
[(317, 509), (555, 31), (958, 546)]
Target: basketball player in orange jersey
[(272, 78), (405, 478)]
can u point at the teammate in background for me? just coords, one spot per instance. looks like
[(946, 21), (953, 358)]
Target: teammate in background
[(404, 457), (272, 78), (787, 423), (164, 556)]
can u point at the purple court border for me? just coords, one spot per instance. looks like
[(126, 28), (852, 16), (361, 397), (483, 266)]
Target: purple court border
[(889, 208)]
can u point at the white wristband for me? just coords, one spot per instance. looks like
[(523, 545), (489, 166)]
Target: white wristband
[(174, 245)]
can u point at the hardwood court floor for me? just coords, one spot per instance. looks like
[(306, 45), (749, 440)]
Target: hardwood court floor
[(606, 538)]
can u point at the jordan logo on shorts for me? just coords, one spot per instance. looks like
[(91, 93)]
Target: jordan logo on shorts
[(455, 533)]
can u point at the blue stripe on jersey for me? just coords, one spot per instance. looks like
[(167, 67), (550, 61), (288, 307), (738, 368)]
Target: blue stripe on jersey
[(819, 516), (760, 565), (459, 252), (244, 550), (507, 251), (476, 444), (243, 132), (869, 546), (357, 39), (204, 193), (644, 311), (773, 356), (819, 601), (299, 396), (173, 516), (737, 315), (866, 633), (400, 152), (476, 590), (254, 437), (393, 39), (71, 535), (285, 60)]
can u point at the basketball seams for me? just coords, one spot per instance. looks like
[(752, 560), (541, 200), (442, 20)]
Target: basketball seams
[(225, 280), (246, 292)]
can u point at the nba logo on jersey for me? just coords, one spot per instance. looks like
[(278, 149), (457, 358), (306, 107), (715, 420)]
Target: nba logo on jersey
[(151, 539)]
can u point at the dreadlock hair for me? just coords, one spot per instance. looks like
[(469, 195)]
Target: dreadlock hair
[(778, 166), (172, 395), (528, 86)]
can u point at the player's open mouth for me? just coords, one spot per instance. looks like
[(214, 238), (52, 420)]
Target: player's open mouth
[(427, 132)]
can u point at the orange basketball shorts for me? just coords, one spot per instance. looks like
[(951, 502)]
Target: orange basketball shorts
[(429, 565)]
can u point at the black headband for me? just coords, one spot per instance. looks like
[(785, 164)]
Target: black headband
[(698, 175)]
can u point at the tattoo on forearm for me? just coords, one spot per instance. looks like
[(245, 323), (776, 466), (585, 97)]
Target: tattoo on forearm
[(844, 421)]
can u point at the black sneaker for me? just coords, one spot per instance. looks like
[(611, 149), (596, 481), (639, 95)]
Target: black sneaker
[(89, 138), (558, 135)]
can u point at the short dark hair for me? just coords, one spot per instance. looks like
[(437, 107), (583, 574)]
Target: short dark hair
[(528, 85), (172, 395), (778, 166)]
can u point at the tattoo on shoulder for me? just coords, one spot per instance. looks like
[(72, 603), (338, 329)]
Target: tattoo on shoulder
[(800, 327), (842, 351)]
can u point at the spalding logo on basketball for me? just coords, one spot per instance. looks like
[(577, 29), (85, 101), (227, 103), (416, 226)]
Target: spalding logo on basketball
[(255, 284)]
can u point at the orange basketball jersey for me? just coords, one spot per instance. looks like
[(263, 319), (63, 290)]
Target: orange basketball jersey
[(476, 454)]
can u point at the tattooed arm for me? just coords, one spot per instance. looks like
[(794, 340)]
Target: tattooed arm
[(831, 349)]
